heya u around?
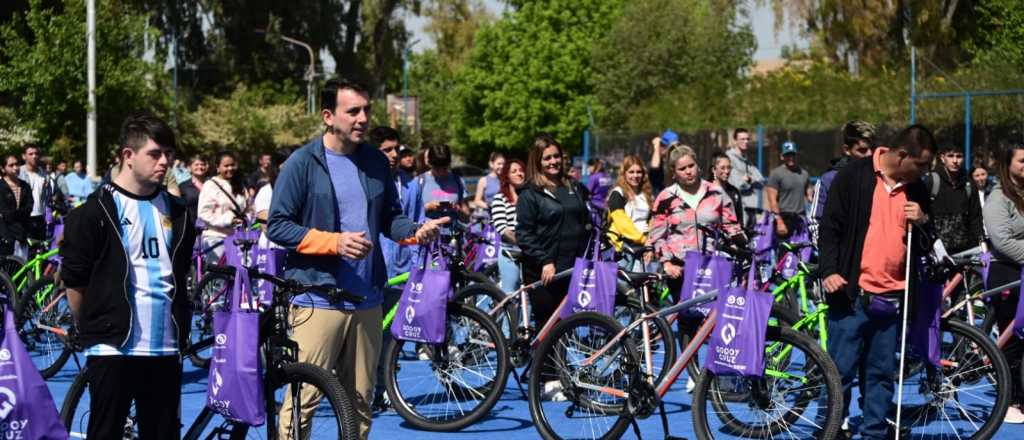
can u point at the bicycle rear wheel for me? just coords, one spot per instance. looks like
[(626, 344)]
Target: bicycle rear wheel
[(449, 386), (43, 317), (573, 399), (800, 395), (966, 396)]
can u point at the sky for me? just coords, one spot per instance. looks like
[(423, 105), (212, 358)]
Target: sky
[(769, 45)]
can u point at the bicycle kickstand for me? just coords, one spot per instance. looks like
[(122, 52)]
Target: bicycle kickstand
[(664, 423)]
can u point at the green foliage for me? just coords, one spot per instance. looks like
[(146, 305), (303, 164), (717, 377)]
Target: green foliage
[(531, 71), (250, 121), (432, 80), (1001, 33), (693, 48), (44, 72)]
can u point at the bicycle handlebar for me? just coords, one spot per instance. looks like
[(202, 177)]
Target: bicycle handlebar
[(294, 287)]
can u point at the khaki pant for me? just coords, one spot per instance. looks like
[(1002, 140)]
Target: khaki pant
[(347, 342)]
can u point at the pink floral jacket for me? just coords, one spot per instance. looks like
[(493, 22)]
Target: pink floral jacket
[(672, 232)]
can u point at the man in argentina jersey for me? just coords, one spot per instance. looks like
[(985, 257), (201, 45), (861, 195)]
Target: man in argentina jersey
[(126, 249), (145, 225)]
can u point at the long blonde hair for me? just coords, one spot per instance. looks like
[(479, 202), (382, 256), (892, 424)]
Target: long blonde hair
[(645, 185)]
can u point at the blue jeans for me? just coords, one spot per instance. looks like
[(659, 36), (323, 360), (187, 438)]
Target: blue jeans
[(854, 336), (508, 271)]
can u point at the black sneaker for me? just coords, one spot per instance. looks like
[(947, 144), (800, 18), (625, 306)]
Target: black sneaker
[(381, 403)]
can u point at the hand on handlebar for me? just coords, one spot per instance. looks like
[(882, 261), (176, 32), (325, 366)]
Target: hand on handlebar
[(833, 283), (672, 270), (547, 273)]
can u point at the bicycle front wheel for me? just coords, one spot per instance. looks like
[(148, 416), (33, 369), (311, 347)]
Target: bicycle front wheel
[(449, 386), (966, 397), (577, 392), (211, 295), (43, 317), (800, 395)]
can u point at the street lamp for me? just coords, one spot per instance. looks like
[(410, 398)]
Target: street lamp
[(405, 83), (310, 73)]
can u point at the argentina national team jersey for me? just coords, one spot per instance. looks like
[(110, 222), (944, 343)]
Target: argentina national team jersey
[(145, 225)]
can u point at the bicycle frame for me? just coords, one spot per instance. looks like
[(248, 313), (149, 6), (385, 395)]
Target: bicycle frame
[(524, 300), (20, 277)]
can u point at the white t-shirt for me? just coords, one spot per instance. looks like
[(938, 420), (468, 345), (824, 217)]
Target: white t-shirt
[(146, 235), (36, 181), (262, 203)]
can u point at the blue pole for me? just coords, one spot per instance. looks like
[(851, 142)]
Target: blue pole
[(760, 148), (967, 132), (584, 170), (913, 85)]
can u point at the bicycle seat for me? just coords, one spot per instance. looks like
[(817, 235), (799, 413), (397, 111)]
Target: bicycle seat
[(638, 278), (635, 250)]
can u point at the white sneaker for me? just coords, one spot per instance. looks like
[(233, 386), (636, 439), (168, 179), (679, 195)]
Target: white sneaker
[(559, 397), (422, 353), (1014, 415), (552, 391), (690, 384), (846, 424)]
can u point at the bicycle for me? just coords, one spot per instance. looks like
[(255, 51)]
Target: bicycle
[(600, 370), (448, 386), (284, 376)]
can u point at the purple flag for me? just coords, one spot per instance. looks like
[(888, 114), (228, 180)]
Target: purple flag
[(26, 407), (235, 388), (702, 274), (592, 287), (424, 303), (737, 345)]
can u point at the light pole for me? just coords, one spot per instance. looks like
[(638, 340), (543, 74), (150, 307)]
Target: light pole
[(310, 73), (405, 83)]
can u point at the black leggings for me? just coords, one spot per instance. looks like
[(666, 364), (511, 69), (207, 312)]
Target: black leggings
[(545, 299), (1005, 305)]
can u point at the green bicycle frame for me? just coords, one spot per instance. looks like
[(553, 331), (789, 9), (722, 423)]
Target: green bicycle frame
[(399, 279), (20, 278)]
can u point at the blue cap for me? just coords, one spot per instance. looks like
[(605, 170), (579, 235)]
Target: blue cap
[(788, 147), (669, 137)]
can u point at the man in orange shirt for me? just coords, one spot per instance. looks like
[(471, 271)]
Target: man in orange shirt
[(862, 242)]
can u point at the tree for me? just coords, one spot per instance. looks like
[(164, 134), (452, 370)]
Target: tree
[(43, 76), (1001, 30), (659, 46), (531, 71), (866, 36)]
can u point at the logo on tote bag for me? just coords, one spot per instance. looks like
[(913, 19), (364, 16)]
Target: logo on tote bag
[(8, 405), (410, 314), (5, 354), (583, 299)]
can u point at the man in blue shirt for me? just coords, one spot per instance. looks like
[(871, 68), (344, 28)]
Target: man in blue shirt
[(332, 201), (79, 184)]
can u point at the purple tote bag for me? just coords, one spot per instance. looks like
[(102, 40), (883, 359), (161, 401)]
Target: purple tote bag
[(235, 388), (592, 287), (702, 274), (26, 408), (487, 253), (424, 304), (737, 345)]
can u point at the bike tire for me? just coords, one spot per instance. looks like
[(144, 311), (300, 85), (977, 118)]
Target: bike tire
[(962, 366), (486, 295), (662, 330), (11, 264), (25, 317), (202, 325), (329, 387), (408, 407), (549, 349), (822, 367), (7, 289), (298, 372)]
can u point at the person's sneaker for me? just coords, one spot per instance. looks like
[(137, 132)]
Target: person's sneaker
[(690, 384), (422, 353), (553, 391), (381, 403), (1014, 415)]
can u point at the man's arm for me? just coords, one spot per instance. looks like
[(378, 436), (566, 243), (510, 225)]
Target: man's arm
[(79, 251)]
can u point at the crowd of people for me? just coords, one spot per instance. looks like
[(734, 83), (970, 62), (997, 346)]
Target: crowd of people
[(342, 203)]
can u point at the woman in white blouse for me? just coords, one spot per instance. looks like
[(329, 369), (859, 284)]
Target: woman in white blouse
[(223, 205), (503, 216)]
